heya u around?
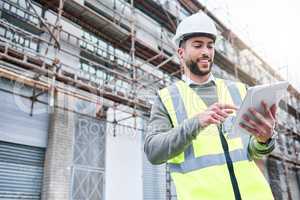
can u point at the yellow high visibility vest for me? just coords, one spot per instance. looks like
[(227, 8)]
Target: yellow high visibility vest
[(216, 165)]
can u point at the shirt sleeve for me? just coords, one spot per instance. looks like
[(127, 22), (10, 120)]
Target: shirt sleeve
[(163, 141), (257, 150)]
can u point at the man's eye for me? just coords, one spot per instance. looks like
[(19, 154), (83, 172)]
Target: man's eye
[(210, 46), (198, 46)]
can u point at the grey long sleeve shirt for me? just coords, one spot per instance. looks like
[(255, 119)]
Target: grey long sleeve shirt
[(163, 141)]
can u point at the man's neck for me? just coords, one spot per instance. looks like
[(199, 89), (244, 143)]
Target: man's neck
[(198, 79)]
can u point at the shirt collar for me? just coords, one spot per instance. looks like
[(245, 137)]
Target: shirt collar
[(186, 79)]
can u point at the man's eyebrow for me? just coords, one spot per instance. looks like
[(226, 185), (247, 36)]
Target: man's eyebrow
[(199, 41)]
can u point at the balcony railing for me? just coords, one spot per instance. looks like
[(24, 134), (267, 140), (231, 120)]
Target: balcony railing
[(21, 11)]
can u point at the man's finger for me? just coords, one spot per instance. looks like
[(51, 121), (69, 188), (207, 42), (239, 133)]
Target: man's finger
[(259, 130), (267, 110), (273, 110), (260, 118), (218, 117), (228, 111), (227, 106), (250, 122), (214, 121), (250, 130), (222, 113)]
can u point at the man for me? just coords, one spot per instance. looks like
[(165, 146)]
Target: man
[(190, 126)]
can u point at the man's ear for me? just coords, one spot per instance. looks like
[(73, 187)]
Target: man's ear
[(180, 52)]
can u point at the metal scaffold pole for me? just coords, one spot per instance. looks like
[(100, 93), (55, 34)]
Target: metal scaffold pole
[(132, 53), (56, 33)]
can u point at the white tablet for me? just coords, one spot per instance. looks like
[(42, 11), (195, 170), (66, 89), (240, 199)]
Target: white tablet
[(270, 93)]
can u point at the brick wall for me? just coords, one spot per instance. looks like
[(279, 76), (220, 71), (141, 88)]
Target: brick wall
[(58, 160)]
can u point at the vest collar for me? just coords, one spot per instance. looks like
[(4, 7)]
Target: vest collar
[(188, 81)]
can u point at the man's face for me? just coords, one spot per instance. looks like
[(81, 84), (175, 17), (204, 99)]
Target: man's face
[(198, 54)]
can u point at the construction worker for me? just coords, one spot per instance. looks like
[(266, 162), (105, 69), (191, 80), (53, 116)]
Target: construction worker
[(191, 120)]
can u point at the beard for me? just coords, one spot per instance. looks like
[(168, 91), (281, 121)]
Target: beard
[(193, 67)]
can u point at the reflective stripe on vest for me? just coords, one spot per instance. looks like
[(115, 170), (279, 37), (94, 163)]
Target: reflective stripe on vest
[(181, 115), (234, 92), (207, 161)]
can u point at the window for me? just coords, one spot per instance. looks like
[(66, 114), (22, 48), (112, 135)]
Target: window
[(21, 13), (220, 44), (231, 51), (99, 52), (2, 31), (16, 38), (102, 44), (92, 70), (82, 44), (6, 6), (22, 4), (119, 83), (109, 78), (111, 52), (20, 8), (26, 43), (85, 67), (88, 172), (100, 74), (95, 45), (90, 47)]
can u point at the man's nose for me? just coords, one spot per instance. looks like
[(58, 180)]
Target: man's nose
[(204, 54)]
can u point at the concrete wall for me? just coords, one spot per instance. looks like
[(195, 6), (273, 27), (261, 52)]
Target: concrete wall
[(123, 160)]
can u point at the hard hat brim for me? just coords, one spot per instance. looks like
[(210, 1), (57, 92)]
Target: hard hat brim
[(191, 35)]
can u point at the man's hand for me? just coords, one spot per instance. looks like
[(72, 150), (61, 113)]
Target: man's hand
[(263, 125), (215, 114)]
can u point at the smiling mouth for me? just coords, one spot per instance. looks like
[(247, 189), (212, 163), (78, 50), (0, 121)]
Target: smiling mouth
[(203, 61)]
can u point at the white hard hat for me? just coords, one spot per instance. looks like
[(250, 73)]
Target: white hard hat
[(198, 23)]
